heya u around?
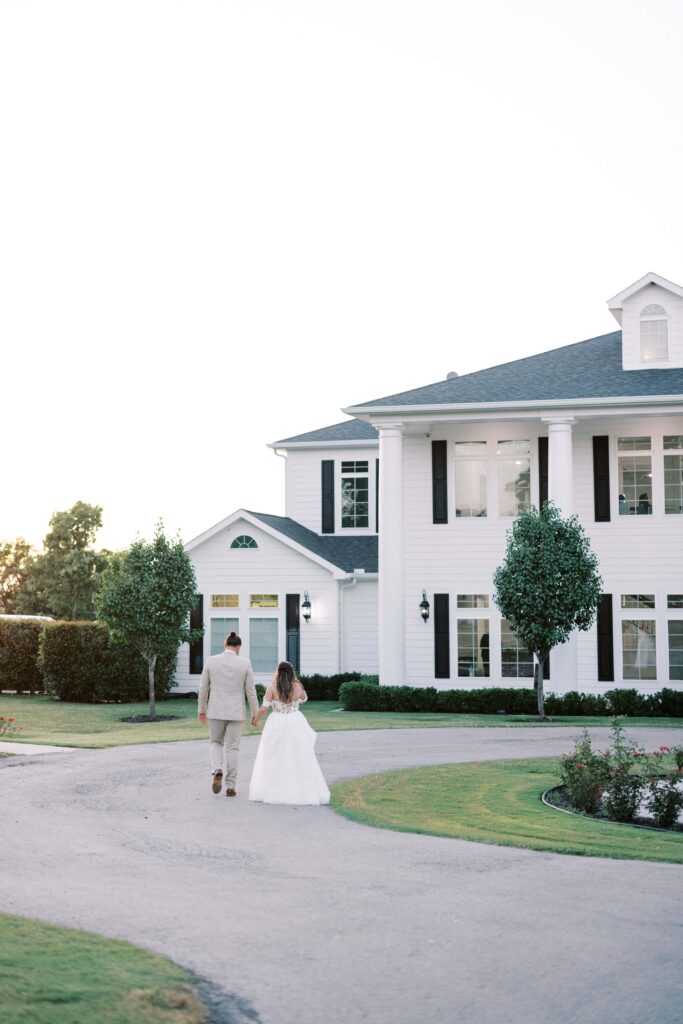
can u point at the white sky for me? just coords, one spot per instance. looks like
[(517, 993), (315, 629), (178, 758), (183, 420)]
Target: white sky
[(223, 220)]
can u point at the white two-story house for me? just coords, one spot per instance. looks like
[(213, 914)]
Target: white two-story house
[(396, 520)]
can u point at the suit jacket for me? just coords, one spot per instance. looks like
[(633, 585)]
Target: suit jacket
[(226, 679)]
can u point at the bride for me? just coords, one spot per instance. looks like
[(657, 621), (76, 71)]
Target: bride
[(286, 770)]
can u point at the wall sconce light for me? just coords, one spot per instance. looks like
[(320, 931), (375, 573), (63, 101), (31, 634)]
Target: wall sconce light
[(424, 607), (306, 607)]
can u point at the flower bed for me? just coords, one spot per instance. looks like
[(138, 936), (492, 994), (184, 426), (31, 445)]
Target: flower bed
[(624, 783)]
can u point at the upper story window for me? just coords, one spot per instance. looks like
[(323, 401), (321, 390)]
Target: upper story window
[(470, 478), (635, 476), (225, 600), (514, 476), (354, 494), (243, 541), (673, 474), (654, 333)]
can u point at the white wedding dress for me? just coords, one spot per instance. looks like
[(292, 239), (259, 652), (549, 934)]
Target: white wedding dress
[(286, 770)]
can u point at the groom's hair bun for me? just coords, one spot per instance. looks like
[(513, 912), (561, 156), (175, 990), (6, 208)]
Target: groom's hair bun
[(232, 640)]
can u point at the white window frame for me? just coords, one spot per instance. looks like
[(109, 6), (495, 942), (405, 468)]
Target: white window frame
[(657, 316)]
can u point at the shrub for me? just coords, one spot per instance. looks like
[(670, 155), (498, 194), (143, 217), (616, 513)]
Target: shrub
[(80, 664), (625, 789), (575, 703), (664, 798), (630, 703), (19, 643), (8, 726), (319, 687), (670, 703), (584, 773)]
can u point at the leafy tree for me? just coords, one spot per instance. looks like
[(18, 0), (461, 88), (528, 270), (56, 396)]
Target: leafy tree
[(146, 598), (14, 560), (63, 579), (548, 584)]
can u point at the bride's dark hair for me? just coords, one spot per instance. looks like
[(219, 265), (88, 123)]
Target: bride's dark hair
[(284, 680)]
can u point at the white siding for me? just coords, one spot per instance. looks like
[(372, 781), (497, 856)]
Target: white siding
[(359, 627), (303, 491), (637, 554), (272, 569)]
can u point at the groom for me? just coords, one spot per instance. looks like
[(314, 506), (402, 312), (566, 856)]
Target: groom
[(226, 679)]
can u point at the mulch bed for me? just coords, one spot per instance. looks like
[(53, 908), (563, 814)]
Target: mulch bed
[(146, 718)]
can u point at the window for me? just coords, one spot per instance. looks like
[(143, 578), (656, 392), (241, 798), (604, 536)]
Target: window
[(673, 475), (637, 600), (639, 646), (243, 541), (263, 644), (473, 647), (635, 476), (263, 600), (470, 478), (674, 600), (473, 600), (675, 648), (220, 628), (354, 494), (225, 600), (654, 333), (514, 474), (517, 661)]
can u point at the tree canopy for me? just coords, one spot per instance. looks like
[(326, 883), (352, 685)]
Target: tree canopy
[(146, 597), (63, 579), (14, 560), (548, 584)]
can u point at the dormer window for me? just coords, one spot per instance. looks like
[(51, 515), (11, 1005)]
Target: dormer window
[(654, 333)]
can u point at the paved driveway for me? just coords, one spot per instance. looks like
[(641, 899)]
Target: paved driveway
[(298, 916)]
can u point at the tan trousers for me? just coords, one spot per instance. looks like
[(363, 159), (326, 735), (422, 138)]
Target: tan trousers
[(225, 748)]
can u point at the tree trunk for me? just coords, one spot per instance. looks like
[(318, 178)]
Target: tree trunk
[(151, 665), (538, 684)]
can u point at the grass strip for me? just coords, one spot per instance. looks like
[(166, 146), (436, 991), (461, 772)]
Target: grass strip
[(51, 975), (52, 722), (495, 802)]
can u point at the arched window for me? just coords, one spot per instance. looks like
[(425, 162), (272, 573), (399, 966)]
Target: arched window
[(654, 333), (243, 541)]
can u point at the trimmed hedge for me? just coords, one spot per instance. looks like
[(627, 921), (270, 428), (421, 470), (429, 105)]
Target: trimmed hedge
[(19, 645), (327, 687), (363, 696)]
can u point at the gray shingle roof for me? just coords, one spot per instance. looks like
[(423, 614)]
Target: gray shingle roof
[(587, 369), (349, 430), (348, 553)]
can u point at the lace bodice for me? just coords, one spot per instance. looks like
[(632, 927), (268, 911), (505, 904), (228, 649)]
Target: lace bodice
[(283, 709)]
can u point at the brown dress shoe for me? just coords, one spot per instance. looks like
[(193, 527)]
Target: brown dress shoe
[(217, 783), (230, 792)]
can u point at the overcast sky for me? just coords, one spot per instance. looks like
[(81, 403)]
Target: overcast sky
[(223, 220)]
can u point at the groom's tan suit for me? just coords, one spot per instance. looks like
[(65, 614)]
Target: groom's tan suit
[(226, 680)]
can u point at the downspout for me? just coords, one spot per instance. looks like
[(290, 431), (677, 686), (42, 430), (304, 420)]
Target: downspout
[(343, 585)]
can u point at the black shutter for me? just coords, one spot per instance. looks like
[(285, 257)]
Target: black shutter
[(328, 495), (542, 471), (197, 649), (292, 603), (442, 637), (377, 495), (605, 640), (440, 481), (546, 669), (601, 478)]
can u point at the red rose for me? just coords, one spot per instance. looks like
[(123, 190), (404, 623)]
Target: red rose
[(667, 750), (579, 767)]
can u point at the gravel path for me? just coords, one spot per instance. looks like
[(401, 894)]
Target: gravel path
[(298, 916)]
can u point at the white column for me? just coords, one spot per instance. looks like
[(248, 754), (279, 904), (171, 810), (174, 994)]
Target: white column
[(560, 464), (563, 660), (392, 657)]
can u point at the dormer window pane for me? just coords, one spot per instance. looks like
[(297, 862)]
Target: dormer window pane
[(654, 333)]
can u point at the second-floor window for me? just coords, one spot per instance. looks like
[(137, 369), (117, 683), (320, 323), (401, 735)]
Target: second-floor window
[(635, 476), (354, 494), (673, 474), (514, 477), (470, 478)]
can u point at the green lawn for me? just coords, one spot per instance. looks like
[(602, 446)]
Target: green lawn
[(494, 802), (52, 975), (44, 720)]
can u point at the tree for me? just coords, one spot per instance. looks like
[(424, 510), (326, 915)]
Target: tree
[(548, 584), (146, 597), (14, 560), (63, 579)]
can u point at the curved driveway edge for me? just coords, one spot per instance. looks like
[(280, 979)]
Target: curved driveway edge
[(299, 916)]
